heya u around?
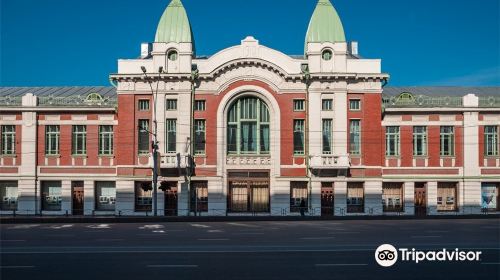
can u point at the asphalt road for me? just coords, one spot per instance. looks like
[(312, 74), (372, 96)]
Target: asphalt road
[(245, 250)]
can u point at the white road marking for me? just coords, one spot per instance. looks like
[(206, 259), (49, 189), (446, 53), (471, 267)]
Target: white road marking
[(199, 226), (173, 266), (152, 227), (100, 226), (23, 226), (249, 233), (340, 264), (214, 230), (213, 239), (158, 231), (60, 227), (243, 225), (426, 236), (17, 266)]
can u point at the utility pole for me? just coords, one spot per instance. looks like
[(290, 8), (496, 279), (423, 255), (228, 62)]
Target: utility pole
[(190, 166), (307, 80)]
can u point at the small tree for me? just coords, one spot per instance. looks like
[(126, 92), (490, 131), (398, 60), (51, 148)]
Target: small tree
[(146, 186), (164, 186)]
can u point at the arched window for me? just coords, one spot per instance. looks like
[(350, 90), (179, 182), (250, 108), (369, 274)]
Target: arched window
[(248, 127)]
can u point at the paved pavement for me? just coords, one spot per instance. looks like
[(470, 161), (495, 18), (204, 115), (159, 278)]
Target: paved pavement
[(244, 250)]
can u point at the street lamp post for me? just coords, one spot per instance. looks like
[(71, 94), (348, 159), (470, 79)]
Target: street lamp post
[(155, 135)]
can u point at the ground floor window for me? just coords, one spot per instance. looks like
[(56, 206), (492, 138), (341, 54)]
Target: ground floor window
[(355, 198), (199, 196), (105, 195), (489, 196), (392, 197), (298, 196), (143, 196), (248, 192), (51, 196), (447, 197), (8, 194)]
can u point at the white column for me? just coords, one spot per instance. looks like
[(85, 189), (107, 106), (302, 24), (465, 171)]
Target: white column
[(67, 197), (125, 197), (409, 198), (340, 123), (315, 123), (470, 197), (373, 197), (217, 197), (29, 201), (88, 197), (432, 198), (340, 198), (183, 198)]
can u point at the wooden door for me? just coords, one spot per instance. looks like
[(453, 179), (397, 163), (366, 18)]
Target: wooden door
[(327, 199), (171, 202), (77, 208), (420, 199)]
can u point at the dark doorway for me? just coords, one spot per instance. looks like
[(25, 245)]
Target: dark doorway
[(420, 199), (77, 187), (171, 200), (248, 191), (327, 199)]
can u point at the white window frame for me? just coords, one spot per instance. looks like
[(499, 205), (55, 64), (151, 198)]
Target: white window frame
[(491, 141), (299, 127), (299, 105), (447, 138), (52, 136), (355, 130), (392, 141), (106, 135), (419, 133), (200, 126), (355, 101), (8, 140), (143, 105), (330, 136), (79, 132), (200, 105), (171, 104), (170, 128), (327, 104)]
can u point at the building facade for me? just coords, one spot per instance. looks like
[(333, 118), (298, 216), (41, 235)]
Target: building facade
[(250, 131)]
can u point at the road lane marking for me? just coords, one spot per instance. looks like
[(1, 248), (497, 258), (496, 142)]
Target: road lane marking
[(339, 264), (213, 239), (199, 226), (426, 236), (23, 226), (249, 233), (214, 231), (243, 225), (17, 266), (60, 227), (173, 266), (152, 227)]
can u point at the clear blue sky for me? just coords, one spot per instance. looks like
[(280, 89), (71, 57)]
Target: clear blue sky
[(420, 42)]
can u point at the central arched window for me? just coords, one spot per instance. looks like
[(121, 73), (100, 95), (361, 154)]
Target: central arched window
[(248, 127)]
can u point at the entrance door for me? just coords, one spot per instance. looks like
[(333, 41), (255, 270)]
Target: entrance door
[(77, 187), (420, 199), (171, 202), (327, 199), (248, 191)]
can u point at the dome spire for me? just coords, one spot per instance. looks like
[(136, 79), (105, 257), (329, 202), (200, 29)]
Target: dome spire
[(325, 25), (174, 25)]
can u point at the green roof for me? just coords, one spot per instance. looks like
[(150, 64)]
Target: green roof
[(174, 25), (325, 25)]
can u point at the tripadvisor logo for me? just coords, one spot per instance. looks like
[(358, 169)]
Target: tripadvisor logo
[(387, 255)]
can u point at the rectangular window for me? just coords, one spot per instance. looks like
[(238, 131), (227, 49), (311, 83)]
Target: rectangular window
[(171, 139), (419, 141), (79, 140), (199, 196), (355, 198), (392, 197), (355, 137), (200, 105), (105, 196), (392, 141), (143, 105), (491, 140), (298, 196), (51, 196), (8, 140), (327, 136), (490, 197), (143, 137), (199, 137), (8, 195), (298, 137), (143, 196), (327, 104), (447, 197), (447, 140), (106, 140), (52, 136), (354, 104), (171, 104), (299, 105)]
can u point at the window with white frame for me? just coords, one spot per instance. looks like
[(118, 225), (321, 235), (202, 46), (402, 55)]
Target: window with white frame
[(327, 128), (354, 104), (299, 105), (199, 137), (144, 105), (8, 195), (248, 128), (105, 196), (200, 105), (8, 140), (143, 196), (171, 104), (447, 196), (79, 140), (355, 137), (327, 104), (298, 137), (298, 193), (392, 141), (105, 140), (392, 197), (143, 137), (355, 197), (419, 141), (491, 140), (51, 195), (52, 136), (171, 133), (447, 141)]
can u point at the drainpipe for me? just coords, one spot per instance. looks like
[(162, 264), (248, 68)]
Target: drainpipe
[(307, 80)]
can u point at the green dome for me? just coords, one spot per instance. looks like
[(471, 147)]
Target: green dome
[(325, 25), (174, 25)]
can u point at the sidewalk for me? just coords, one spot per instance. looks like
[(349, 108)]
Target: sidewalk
[(113, 219)]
